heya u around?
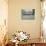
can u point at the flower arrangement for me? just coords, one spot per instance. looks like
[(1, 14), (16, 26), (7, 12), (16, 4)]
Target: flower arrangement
[(21, 36)]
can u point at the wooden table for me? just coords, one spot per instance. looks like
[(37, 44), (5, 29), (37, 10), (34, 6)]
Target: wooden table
[(27, 44), (33, 42), (10, 44)]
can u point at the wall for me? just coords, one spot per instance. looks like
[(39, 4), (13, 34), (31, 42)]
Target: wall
[(15, 21)]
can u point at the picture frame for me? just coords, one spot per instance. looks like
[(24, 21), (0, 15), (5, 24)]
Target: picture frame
[(28, 14)]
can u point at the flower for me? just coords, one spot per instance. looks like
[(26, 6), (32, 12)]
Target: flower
[(21, 36)]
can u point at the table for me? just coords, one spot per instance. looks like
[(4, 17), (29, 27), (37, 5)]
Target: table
[(33, 42), (10, 44)]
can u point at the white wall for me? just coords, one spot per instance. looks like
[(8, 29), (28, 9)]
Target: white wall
[(15, 21)]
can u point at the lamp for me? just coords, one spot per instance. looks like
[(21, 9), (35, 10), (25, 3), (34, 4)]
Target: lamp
[(43, 20)]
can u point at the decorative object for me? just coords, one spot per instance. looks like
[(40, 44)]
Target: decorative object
[(27, 14), (23, 36), (20, 36), (43, 21)]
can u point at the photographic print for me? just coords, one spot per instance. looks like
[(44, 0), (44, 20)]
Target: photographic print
[(27, 14)]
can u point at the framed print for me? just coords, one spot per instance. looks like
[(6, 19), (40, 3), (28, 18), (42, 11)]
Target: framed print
[(27, 14)]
